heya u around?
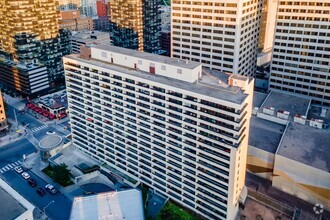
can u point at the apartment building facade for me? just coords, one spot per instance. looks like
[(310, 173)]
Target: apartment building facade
[(300, 62), (163, 122), (223, 35)]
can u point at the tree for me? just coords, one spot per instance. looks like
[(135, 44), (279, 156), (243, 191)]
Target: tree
[(61, 174)]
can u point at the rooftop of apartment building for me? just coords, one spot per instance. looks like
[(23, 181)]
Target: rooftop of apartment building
[(211, 83), (285, 102), (265, 135), (259, 98), (152, 57), (87, 35), (307, 145)]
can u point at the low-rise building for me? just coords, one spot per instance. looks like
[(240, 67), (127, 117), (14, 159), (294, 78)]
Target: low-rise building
[(26, 79), (14, 206), (85, 38), (290, 147), (125, 204), (72, 20)]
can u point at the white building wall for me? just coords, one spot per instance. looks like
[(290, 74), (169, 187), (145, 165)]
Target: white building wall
[(294, 177), (161, 68), (111, 121)]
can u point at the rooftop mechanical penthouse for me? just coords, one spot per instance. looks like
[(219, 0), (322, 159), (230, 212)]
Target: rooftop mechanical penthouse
[(167, 123)]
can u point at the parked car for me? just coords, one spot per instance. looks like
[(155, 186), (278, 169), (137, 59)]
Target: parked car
[(18, 169), (50, 132), (25, 175), (41, 191), (32, 182), (51, 189)]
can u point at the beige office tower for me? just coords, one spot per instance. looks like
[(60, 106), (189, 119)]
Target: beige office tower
[(267, 29), (223, 35), (3, 118), (29, 16), (301, 55)]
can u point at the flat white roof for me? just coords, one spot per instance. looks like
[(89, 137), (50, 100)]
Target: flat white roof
[(115, 205)]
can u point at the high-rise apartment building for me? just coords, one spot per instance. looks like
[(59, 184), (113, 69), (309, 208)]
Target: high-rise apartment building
[(136, 24), (267, 29), (223, 35), (35, 17), (165, 123), (301, 55), (3, 118)]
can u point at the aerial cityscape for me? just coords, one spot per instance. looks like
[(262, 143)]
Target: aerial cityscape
[(165, 109)]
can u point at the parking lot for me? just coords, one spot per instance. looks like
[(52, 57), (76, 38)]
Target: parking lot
[(56, 206)]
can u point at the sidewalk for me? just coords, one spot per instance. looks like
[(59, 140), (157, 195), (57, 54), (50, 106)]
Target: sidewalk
[(12, 135), (36, 166), (17, 103)]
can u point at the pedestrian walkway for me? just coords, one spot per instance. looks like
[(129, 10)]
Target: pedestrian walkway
[(39, 128), (15, 102), (10, 166), (15, 133)]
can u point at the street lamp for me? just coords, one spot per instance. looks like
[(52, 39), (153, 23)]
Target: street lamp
[(44, 209)]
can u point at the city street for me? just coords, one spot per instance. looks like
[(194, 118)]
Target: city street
[(11, 155), (57, 210), (14, 152)]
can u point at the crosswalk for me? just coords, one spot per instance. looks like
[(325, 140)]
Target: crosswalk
[(39, 128), (10, 166)]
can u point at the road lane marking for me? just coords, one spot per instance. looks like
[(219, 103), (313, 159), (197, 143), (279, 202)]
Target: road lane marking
[(17, 163), (10, 166), (14, 165)]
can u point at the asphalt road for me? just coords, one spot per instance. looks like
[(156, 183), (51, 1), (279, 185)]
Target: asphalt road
[(57, 210), (27, 118), (14, 151)]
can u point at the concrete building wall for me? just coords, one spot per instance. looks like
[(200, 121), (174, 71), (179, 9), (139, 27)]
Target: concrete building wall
[(300, 63), (260, 162), (222, 35), (72, 14), (143, 64), (302, 181)]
